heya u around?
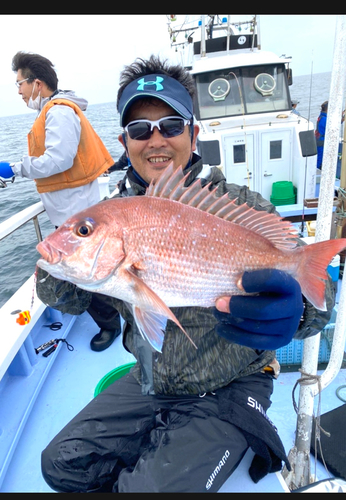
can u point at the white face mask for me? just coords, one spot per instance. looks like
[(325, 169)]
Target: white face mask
[(34, 104)]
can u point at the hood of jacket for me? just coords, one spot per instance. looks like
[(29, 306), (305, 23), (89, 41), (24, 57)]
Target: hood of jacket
[(66, 94)]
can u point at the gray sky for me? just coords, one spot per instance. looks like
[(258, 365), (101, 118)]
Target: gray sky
[(89, 51)]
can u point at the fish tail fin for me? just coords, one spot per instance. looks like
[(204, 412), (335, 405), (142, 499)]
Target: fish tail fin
[(312, 272)]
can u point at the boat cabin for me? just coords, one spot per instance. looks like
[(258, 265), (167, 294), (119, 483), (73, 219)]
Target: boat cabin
[(244, 110)]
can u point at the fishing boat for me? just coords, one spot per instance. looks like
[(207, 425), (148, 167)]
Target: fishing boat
[(244, 109), (40, 393), (48, 372)]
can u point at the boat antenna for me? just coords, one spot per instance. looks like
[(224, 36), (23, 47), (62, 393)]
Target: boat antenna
[(306, 159)]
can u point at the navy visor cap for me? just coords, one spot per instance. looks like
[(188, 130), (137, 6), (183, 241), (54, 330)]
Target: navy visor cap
[(162, 87)]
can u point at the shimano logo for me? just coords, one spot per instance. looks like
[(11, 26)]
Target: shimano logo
[(217, 470), (257, 406)]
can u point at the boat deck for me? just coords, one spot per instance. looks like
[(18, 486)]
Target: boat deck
[(68, 384)]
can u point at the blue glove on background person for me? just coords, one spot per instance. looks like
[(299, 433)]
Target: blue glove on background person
[(267, 321), (6, 171)]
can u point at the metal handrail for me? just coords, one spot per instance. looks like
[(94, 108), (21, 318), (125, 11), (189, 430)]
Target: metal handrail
[(300, 453), (18, 220)]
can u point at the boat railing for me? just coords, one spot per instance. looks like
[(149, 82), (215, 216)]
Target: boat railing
[(19, 343), (12, 344), (18, 220), (32, 212), (19, 340)]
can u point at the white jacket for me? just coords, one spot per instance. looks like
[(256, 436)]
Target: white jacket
[(61, 142)]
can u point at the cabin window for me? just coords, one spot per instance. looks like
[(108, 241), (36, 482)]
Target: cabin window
[(243, 90), (275, 150), (239, 153)]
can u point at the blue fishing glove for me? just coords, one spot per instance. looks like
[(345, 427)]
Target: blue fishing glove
[(6, 171), (266, 321)]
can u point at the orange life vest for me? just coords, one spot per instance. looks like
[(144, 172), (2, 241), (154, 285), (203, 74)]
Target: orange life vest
[(92, 158)]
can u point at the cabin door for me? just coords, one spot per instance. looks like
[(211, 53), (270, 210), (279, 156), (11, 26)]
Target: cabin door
[(239, 159), (275, 160)]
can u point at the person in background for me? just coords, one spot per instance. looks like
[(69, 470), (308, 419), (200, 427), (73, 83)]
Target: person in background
[(183, 418), (120, 164), (294, 107), (65, 158), (320, 133)]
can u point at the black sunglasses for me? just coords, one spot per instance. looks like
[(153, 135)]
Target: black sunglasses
[(170, 126)]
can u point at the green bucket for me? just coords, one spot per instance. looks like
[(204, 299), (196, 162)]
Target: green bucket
[(282, 190), (283, 193), (112, 376), (282, 201)]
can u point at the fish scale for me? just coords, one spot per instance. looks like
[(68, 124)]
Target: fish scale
[(187, 270), (181, 270)]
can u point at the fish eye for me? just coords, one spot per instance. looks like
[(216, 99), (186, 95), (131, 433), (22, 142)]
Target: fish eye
[(84, 228)]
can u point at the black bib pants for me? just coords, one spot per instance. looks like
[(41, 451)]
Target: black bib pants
[(123, 441)]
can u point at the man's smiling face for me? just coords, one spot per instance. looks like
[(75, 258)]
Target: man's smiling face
[(150, 157)]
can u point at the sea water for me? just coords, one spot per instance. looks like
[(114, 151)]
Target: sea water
[(18, 254)]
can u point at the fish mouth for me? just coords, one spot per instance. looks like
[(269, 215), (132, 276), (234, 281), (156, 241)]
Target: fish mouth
[(49, 253), (52, 261)]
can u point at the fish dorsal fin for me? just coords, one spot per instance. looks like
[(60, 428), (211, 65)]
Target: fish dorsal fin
[(171, 185)]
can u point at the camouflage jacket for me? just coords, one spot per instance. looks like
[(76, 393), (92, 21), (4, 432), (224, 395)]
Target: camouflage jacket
[(181, 368)]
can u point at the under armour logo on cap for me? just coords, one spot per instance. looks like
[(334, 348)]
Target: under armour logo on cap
[(157, 82)]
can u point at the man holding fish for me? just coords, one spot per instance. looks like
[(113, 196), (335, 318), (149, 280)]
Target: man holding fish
[(196, 399)]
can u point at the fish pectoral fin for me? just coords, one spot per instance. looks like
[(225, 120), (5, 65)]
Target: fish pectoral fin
[(151, 312), (151, 326)]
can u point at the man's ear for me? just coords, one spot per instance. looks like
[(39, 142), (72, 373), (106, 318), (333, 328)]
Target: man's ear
[(122, 139), (39, 83), (194, 137)]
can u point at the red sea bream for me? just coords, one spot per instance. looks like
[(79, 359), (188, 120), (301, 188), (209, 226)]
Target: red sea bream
[(179, 246)]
